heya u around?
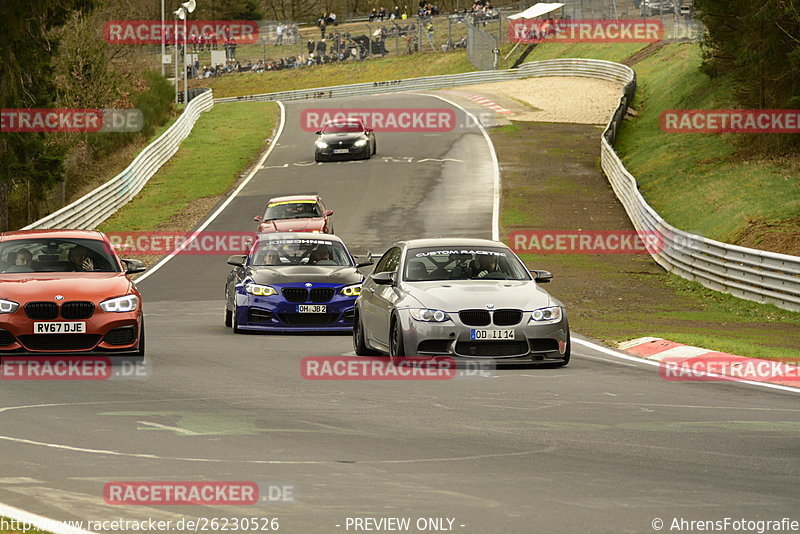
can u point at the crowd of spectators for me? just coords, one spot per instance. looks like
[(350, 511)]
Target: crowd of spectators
[(483, 11)]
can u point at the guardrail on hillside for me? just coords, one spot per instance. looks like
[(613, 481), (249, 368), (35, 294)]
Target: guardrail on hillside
[(751, 274), (98, 205)]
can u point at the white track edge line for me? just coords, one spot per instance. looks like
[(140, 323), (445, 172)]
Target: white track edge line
[(234, 194), (495, 164)]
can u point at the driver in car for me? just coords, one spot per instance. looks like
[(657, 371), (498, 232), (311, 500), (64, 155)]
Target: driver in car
[(322, 255), (486, 265), (80, 259)]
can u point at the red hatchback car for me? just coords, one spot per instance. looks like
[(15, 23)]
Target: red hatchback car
[(298, 213), (66, 291)]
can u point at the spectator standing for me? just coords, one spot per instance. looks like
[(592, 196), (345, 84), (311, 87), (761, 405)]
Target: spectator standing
[(322, 25), (311, 46), (373, 15), (279, 33), (193, 42)]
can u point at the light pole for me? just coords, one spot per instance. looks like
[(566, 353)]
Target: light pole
[(163, 42), (189, 7), (180, 13)]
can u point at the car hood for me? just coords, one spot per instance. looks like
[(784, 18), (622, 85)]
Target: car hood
[(95, 287), (304, 224), (305, 273), (455, 295), (336, 137)]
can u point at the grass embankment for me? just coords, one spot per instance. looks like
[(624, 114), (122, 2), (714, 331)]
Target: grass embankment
[(615, 297), (712, 185), (207, 164), (371, 70)]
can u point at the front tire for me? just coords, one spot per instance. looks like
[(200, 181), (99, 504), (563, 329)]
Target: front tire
[(397, 349), (359, 342), (228, 317)]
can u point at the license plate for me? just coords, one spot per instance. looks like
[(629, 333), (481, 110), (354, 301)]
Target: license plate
[(311, 308), (341, 150), (78, 327), (481, 334)]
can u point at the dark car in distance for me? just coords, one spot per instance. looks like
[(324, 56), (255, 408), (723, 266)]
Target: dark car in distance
[(344, 139)]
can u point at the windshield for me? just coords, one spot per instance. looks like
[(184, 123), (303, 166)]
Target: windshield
[(57, 256), (456, 263), (343, 127), (299, 252), (292, 210)]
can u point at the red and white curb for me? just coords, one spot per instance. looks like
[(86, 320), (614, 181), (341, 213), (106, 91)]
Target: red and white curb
[(715, 364), (485, 102)]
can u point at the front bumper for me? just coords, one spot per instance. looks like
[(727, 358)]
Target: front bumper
[(106, 333), (532, 341), (355, 153), (276, 314)]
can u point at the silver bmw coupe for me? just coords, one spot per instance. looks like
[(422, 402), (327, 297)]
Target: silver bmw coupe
[(466, 298)]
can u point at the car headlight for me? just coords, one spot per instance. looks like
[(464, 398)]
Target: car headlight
[(8, 306), (543, 315), (321, 144), (351, 291), (360, 143), (259, 290), (128, 303), (428, 316)]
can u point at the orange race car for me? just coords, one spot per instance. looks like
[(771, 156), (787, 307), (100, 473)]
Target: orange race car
[(66, 291)]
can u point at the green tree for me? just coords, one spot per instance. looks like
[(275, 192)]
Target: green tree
[(27, 81)]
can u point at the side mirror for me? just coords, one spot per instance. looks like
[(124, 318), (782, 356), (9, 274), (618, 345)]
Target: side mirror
[(383, 279), (236, 260), (257, 218), (134, 266), (318, 132), (328, 213), (364, 264), (541, 277)]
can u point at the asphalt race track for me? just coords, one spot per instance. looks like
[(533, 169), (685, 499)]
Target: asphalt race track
[(603, 445)]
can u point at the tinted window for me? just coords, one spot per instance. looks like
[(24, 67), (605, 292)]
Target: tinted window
[(342, 127), (388, 262), (56, 255), (292, 210), (463, 263), (277, 252)]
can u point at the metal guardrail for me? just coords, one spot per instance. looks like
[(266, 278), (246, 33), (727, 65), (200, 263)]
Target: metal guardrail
[(552, 67), (751, 274), (98, 205)]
